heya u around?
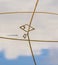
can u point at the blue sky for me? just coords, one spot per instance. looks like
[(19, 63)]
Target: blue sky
[(42, 59)]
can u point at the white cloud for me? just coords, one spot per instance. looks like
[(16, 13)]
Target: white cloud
[(45, 26)]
